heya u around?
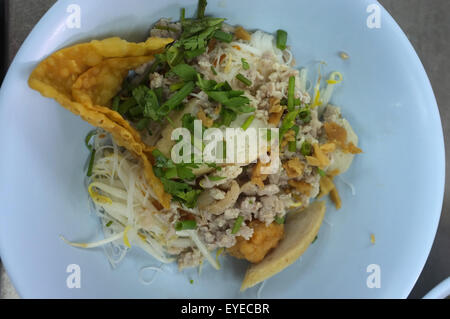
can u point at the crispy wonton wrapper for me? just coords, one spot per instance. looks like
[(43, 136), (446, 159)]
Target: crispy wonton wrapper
[(85, 77), (299, 232)]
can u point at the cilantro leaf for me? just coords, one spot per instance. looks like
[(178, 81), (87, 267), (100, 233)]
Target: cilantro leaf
[(147, 100), (288, 122), (185, 72)]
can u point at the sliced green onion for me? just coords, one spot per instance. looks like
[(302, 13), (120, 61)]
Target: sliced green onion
[(321, 172), (213, 70), (291, 91), (91, 163), (269, 135), (248, 122), (142, 124), (245, 64), (216, 178), (243, 79), (191, 281), (126, 105), (305, 115), (176, 98), (185, 224), (280, 220), (176, 86), (137, 110), (158, 93), (201, 9), (297, 101), (171, 173), (88, 137), (109, 223), (223, 36), (281, 39), (194, 53), (237, 225), (115, 103), (292, 146), (306, 149)]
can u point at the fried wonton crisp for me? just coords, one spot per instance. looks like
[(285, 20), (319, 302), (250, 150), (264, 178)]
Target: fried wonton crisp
[(83, 78)]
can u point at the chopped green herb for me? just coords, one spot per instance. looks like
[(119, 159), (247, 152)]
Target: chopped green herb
[(305, 115), (245, 64), (269, 135), (159, 94), (115, 103), (216, 178), (288, 122), (91, 163), (306, 149), (223, 36), (175, 99), (147, 100), (109, 223), (233, 102), (185, 224), (142, 124), (292, 146), (237, 225), (182, 14), (281, 39), (321, 172), (176, 86), (291, 91), (201, 8), (136, 110), (213, 70), (243, 79), (88, 137), (248, 122), (280, 220), (185, 72), (126, 105), (191, 281), (166, 170)]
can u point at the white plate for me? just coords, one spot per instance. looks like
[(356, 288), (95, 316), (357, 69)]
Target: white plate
[(386, 96)]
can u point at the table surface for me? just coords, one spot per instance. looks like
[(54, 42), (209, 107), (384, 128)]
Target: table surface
[(427, 25)]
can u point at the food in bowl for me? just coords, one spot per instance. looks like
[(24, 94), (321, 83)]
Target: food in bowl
[(203, 76)]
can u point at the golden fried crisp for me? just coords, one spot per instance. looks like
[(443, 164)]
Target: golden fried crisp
[(294, 167), (338, 134), (83, 77), (299, 232), (263, 240), (96, 87), (327, 187), (300, 186), (257, 177)]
